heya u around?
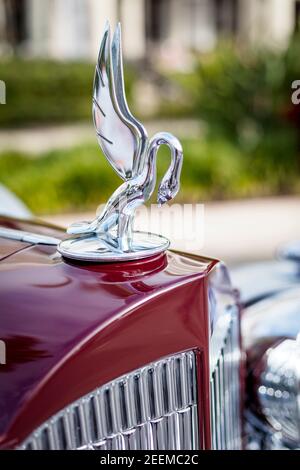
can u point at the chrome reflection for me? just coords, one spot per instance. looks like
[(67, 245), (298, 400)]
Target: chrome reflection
[(224, 361), (152, 408), (279, 392), (110, 236), (225, 382), (27, 237)]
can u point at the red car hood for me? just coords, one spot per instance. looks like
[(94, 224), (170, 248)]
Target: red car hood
[(22, 315), (50, 307)]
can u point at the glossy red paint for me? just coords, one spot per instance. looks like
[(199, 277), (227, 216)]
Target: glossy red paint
[(71, 327), (9, 247)]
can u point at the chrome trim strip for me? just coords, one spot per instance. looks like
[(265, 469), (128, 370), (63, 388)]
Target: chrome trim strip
[(224, 382), (27, 237)]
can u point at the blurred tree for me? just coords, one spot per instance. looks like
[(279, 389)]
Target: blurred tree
[(42, 92), (243, 96)]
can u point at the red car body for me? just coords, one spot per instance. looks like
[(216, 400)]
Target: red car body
[(70, 327)]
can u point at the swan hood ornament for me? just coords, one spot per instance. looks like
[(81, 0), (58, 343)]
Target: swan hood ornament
[(124, 142)]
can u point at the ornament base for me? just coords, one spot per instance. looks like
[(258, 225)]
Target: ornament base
[(105, 249)]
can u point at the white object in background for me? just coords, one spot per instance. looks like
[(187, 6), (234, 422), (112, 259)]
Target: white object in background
[(11, 205)]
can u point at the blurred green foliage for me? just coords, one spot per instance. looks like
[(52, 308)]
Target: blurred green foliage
[(80, 178), (244, 98), (250, 144), (42, 92)]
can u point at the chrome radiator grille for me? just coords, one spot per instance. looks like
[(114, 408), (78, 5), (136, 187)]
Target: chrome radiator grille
[(154, 407), (224, 384)]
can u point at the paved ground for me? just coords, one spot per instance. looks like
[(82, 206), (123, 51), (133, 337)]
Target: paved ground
[(233, 231), (41, 139)]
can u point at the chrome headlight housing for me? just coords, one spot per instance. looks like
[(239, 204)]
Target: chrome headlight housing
[(279, 392), (270, 334)]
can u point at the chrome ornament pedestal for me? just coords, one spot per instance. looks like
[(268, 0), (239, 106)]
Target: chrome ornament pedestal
[(124, 142), (98, 248)]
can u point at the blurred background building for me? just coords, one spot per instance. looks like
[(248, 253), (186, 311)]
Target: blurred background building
[(70, 29)]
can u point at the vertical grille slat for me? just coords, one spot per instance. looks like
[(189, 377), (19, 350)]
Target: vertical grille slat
[(158, 391), (178, 385), (172, 437), (157, 431), (224, 389), (57, 444), (138, 403), (124, 412), (68, 431), (130, 440), (171, 385), (231, 398), (164, 379), (152, 408), (191, 373), (77, 426), (145, 395), (92, 415), (185, 419), (51, 437)]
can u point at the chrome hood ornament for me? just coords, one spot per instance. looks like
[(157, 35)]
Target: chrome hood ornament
[(124, 142)]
